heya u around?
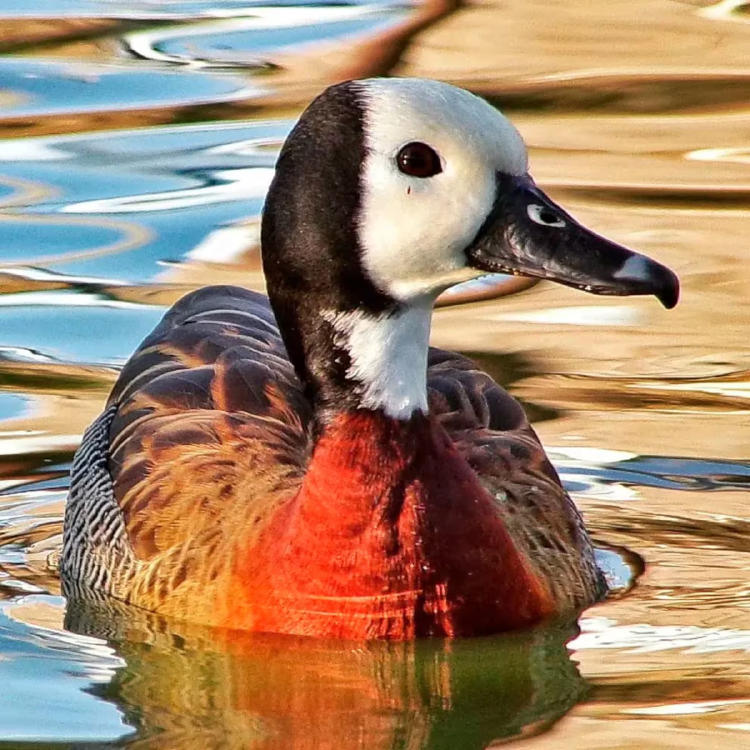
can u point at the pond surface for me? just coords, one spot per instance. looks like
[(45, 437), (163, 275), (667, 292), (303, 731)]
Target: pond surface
[(138, 139)]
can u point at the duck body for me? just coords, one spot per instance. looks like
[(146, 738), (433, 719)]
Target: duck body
[(307, 464), (203, 493)]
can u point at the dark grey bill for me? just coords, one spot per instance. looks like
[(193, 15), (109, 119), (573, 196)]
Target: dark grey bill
[(527, 234)]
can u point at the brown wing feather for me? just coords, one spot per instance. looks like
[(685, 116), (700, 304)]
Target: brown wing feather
[(209, 410), (490, 428)]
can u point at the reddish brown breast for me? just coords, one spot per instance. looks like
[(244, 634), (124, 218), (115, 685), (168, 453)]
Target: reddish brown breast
[(391, 536)]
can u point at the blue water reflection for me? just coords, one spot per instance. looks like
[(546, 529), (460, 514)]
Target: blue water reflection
[(35, 87), (153, 9), (664, 472), (12, 405), (175, 185), (54, 677), (77, 327), (245, 41)]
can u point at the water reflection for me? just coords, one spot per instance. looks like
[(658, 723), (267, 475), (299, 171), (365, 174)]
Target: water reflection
[(52, 88), (245, 41), (146, 9), (232, 690), (588, 468), (48, 704), (174, 186)]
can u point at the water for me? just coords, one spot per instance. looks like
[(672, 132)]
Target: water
[(137, 142)]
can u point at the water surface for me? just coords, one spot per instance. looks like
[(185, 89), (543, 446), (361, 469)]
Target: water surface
[(136, 144)]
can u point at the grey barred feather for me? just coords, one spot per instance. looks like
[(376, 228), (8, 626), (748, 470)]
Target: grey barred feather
[(96, 553)]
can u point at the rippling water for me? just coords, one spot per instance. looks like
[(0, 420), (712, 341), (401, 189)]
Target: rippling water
[(138, 139)]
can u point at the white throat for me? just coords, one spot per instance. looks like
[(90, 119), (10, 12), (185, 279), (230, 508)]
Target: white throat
[(388, 355)]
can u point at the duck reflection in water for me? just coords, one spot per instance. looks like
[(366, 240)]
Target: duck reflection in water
[(189, 686)]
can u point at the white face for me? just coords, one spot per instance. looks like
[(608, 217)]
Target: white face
[(414, 230)]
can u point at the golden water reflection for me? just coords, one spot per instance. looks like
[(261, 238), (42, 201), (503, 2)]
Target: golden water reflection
[(239, 690)]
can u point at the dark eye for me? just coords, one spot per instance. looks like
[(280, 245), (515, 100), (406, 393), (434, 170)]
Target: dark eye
[(418, 160)]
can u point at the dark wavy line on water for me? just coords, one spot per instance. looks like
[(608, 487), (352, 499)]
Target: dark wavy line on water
[(627, 94), (666, 472), (663, 196)]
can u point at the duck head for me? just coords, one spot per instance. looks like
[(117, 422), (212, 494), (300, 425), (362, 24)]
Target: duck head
[(388, 191)]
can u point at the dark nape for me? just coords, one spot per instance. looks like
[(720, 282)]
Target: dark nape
[(311, 253)]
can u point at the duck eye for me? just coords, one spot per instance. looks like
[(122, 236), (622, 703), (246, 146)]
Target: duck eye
[(545, 216), (418, 160)]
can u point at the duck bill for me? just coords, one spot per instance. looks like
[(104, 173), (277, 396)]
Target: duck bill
[(527, 234)]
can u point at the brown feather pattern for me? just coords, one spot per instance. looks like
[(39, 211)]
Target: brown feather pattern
[(209, 431)]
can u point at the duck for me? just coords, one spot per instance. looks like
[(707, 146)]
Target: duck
[(305, 463)]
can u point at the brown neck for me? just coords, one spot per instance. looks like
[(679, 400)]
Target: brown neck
[(392, 535)]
